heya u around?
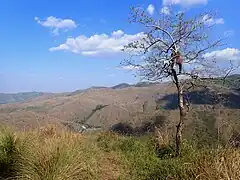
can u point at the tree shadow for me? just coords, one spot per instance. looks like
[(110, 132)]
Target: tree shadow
[(203, 97), (126, 129)]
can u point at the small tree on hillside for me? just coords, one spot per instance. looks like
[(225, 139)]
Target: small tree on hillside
[(155, 53)]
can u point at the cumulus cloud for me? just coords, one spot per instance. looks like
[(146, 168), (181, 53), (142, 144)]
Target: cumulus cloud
[(56, 24), (98, 44), (215, 63), (184, 2), (150, 9), (165, 10), (211, 21), (227, 54), (219, 62), (117, 33)]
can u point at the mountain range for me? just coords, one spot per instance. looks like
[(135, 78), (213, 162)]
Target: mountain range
[(6, 98), (107, 106)]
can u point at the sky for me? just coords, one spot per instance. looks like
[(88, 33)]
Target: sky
[(62, 46)]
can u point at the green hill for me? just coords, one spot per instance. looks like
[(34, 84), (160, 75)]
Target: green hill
[(232, 81)]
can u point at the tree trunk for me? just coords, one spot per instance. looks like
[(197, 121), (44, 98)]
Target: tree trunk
[(181, 120)]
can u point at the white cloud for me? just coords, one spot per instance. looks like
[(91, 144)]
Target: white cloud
[(165, 10), (211, 21), (117, 33), (56, 24), (224, 55), (98, 44), (219, 62), (215, 63), (150, 9), (184, 2)]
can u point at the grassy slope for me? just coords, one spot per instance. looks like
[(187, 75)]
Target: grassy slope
[(56, 154)]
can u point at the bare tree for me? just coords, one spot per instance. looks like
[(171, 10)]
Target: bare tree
[(153, 54)]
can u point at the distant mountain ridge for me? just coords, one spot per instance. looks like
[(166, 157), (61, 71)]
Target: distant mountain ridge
[(18, 97), (124, 103), (232, 82), (118, 86), (121, 86), (6, 98)]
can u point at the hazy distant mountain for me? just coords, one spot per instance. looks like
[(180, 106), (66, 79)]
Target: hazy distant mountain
[(140, 84), (18, 97), (121, 86), (144, 84), (232, 82), (84, 90)]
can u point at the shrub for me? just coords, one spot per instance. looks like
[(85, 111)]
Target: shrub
[(9, 155)]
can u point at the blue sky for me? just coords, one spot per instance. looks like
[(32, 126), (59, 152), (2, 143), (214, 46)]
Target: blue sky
[(32, 31)]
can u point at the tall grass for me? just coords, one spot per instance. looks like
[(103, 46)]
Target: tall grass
[(55, 154), (9, 155)]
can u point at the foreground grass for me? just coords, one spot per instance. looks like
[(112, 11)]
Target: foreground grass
[(53, 154)]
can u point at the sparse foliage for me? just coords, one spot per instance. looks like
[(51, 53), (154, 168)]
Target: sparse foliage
[(153, 54)]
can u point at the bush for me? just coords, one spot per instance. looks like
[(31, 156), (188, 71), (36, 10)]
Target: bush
[(9, 155)]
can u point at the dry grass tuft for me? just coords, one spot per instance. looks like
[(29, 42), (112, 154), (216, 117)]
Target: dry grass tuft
[(55, 154)]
